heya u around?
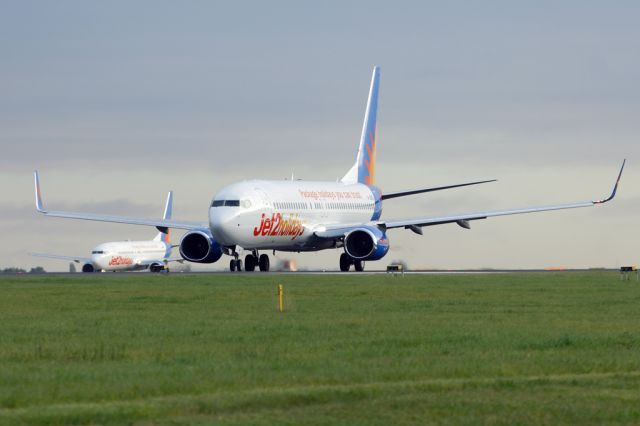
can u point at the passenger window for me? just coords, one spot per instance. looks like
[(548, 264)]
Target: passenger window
[(226, 203)]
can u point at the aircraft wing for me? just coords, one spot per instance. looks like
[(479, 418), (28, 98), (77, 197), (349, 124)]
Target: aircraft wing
[(76, 259), (149, 262), (161, 224), (463, 219), (338, 231), (415, 224)]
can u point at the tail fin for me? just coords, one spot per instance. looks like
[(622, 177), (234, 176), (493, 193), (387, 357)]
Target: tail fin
[(364, 169), (168, 210)]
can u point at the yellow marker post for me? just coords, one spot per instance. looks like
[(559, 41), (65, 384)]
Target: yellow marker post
[(280, 304)]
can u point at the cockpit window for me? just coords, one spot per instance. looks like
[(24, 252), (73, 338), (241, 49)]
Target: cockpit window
[(225, 203), (97, 252)]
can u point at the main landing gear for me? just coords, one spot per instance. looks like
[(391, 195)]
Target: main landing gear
[(346, 261), (158, 268), (251, 261)]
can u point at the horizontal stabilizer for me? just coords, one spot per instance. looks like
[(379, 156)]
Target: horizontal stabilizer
[(437, 188)]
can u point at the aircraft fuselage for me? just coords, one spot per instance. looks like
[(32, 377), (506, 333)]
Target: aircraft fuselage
[(283, 215), (128, 255)]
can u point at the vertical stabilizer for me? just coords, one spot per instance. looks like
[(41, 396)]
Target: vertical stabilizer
[(364, 169), (168, 210)]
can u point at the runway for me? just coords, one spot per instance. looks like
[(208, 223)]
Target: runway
[(334, 272)]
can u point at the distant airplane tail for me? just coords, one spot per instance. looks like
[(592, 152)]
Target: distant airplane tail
[(165, 237), (364, 169)]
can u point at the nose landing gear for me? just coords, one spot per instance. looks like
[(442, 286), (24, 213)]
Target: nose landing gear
[(235, 264)]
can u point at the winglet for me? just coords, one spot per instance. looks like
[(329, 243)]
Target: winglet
[(38, 193), (615, 187), (168, 211), (165, 233), (168, 208)]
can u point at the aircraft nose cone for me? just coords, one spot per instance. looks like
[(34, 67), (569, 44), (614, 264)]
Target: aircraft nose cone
[(222, 221), (97, 260)]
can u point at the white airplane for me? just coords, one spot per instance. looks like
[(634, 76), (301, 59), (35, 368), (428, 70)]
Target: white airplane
[(297, 216), (128, 255)]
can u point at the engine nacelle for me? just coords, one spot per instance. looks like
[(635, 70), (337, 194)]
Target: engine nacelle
[(88, 267), (200, 247), (366, 243)]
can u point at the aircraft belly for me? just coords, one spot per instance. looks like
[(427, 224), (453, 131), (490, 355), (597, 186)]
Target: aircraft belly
[(272, 242)]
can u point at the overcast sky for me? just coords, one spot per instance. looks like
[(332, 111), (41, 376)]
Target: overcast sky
[(118, 102)]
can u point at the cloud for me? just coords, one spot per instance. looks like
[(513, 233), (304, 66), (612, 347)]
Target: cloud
[(117, 108)]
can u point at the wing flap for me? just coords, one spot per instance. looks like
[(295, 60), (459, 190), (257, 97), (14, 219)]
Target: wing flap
[(441, 220), (149, 262)]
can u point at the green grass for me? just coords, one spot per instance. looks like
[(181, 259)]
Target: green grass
[(535, 348)]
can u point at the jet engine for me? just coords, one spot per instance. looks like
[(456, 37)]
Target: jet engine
[(200, 247), (87, 267), (366, 243)]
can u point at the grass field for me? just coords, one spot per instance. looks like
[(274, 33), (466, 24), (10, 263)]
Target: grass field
[(534, 348)]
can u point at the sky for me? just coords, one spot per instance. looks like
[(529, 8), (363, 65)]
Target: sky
[(115, 103)]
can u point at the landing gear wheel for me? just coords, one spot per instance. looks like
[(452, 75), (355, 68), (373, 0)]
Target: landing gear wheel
[(157, 268), (359, 265), (264, 263), (250, 263), (232, 265), (345, 262)]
